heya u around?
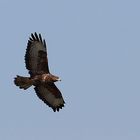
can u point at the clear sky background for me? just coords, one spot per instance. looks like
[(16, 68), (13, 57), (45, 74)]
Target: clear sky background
[(94, 46)]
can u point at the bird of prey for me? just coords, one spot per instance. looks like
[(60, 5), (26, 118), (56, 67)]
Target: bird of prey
[(40, 77)]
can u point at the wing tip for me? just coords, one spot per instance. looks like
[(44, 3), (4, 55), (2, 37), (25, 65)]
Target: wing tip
[(35, 37), (58, 107)]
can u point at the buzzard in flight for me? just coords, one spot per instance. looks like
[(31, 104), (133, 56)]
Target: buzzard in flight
[(37, 63)]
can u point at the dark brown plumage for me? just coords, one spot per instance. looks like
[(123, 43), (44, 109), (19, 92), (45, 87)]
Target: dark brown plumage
[(37, 63)]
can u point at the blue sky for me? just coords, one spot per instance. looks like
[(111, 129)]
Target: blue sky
[(94, 46)]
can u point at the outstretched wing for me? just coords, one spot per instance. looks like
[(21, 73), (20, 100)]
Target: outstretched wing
[(51, 95), (36, 55)]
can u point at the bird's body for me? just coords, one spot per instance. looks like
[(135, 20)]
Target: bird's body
[(40, 77)]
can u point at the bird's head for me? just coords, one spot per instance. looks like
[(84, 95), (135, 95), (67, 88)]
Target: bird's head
[(54, 78)]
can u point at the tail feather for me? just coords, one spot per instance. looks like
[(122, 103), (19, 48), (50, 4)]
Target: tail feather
[(23, 82)]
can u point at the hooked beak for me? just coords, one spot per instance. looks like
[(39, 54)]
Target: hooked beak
[(58, 79)]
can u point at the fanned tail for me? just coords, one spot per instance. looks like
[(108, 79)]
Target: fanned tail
[(23, 82)]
